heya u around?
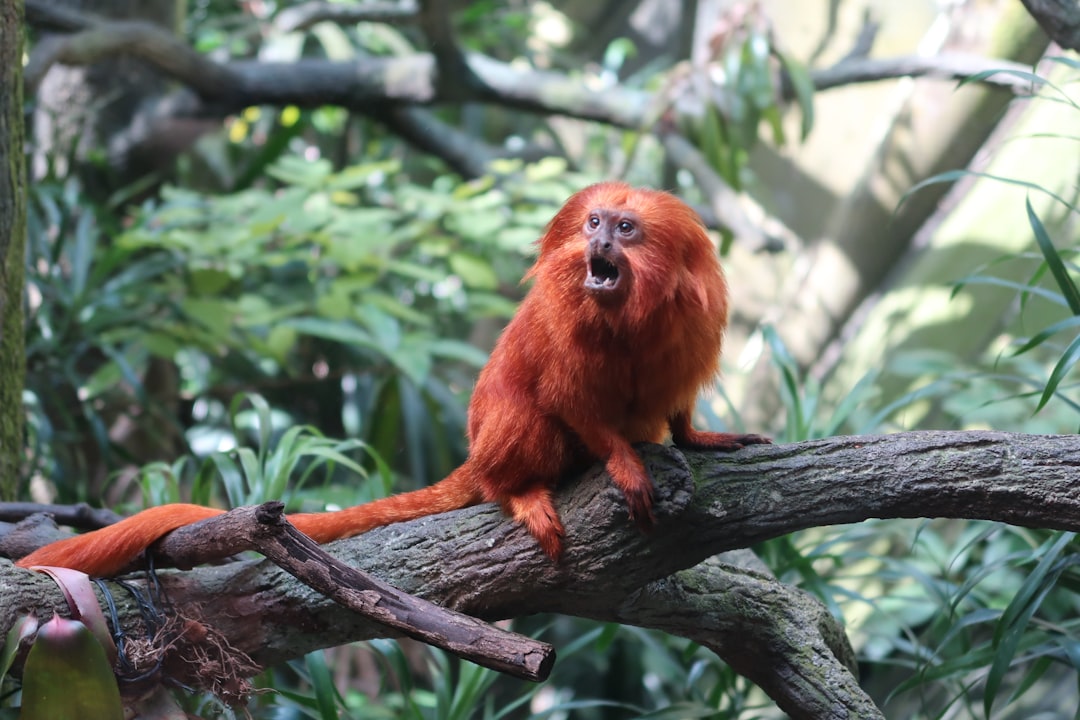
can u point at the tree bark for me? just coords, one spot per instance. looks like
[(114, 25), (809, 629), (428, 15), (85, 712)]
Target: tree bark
[(12, 245), (478, 562)]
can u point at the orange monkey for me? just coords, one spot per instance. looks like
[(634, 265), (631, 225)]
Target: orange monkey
[(622, 328)]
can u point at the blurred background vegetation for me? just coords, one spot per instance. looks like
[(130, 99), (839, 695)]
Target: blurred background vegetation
[(233, 299)]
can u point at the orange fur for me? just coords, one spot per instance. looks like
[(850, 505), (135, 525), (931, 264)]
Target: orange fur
[(621, 330)]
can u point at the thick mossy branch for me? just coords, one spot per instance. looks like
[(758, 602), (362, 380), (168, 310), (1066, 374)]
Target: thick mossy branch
[(478, 562)]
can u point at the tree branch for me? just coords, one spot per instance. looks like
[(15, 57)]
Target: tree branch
[(365, 82), (80, 514), (1060, 19), (780, 637), (302, 17), (477, 561), (735, 212)]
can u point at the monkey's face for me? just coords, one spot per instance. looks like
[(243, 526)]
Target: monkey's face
[(626, 253), (609, 235)]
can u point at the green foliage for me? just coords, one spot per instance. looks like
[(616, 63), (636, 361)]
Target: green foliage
[(67, 676), (953, 618), (358, 290), (88, 304)]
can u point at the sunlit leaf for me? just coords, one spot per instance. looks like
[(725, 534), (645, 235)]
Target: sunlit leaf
[(474, 270)]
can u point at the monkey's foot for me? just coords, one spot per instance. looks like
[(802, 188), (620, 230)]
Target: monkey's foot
[(727, 442), (535, 510)]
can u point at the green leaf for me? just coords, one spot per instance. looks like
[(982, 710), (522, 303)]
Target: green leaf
[(68, 677), (280, 341), (342, 332), (1044, 335), (549, 168), (322, 683), (458, 350), (954, 175), (295, 170), (213, 315), (1053, 259), (413, 358), (385, 329), (804, 90), (1012, 627), (231, 478), (24, 627), (1061, 369), (209, 280), (474, 270)]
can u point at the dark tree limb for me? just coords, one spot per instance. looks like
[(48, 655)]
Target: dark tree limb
[(264, 528), (1060, 19), (359, 84), (476, 561), (944, 66), (79, 515), (147, 41)]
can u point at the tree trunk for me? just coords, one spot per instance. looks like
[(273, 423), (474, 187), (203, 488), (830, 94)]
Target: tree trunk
[(12, 245)]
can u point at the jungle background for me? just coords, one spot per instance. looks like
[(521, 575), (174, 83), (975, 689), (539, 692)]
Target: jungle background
[(269, 244)]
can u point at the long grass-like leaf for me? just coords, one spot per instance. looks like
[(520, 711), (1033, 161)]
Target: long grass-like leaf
[(954, 175), (1012, 628), (1043, 335), (322, 683), (231, 478), (1020, 287), (1068, 360), (1053, 259)]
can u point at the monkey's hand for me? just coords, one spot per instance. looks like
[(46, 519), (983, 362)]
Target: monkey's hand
[(628, 472)]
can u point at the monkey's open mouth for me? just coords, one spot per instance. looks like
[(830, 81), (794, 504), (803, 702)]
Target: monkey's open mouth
[(603, 274)]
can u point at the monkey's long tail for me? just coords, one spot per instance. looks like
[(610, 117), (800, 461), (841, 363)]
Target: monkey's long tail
[(456, 491), (109, 551)]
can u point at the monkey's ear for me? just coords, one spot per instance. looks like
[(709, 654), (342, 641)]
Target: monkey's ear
[(695, 289)]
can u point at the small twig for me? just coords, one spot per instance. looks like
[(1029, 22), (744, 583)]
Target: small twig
[(945, 66), (302, 17), (265, 529), (864, 41), (728, 209)]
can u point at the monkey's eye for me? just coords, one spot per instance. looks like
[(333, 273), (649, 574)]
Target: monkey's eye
[(594, 222), (625, 227)]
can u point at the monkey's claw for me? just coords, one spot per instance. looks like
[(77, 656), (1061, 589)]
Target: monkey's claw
[(640, 503)]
